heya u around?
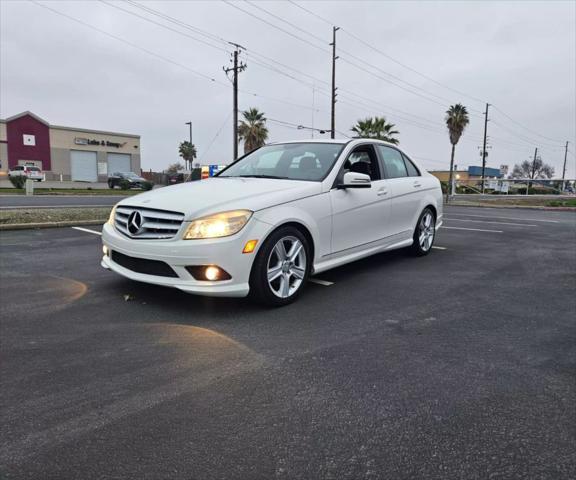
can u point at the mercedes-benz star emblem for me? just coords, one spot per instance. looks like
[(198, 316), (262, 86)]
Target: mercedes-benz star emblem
[(135, 223)]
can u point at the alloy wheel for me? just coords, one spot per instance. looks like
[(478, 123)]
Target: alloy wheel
[(426, 231), (286, 267)]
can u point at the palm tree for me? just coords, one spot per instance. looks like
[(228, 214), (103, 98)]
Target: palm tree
[(376, 127), (187, 151), (456, 121), (252, 129)]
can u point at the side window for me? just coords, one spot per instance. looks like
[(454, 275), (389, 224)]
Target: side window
[(393, 162), (412, 170), (18, 168), (363, 160)]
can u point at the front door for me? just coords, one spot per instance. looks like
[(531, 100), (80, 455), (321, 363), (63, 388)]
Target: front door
[(359, 215)]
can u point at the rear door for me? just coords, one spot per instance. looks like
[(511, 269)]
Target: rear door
[(405, 184), (360, 215)]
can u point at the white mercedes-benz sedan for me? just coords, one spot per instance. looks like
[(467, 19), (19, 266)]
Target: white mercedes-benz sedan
[(275, 217)]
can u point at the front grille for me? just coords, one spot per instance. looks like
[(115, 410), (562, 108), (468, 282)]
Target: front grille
[(155, 224), (143, 265)]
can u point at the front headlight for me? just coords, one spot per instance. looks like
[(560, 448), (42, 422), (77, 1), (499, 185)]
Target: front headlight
[(112, 215), (220, 225)]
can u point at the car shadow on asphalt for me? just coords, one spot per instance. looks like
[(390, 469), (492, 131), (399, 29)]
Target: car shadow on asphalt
[(182, 304)]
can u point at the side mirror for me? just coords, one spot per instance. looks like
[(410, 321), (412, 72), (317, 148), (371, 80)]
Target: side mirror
[(355, 180)]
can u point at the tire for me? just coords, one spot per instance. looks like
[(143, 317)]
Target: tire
[(110, 185), (424, 233), (290, 274)]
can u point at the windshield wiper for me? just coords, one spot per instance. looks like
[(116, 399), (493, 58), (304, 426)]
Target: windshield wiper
[(262, 176)]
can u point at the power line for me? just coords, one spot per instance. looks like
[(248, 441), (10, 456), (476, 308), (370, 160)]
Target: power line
[(215, 137), (111, 4), (525, 128), (357, 38), (133, 45), (251, 53), (356, 65), (227, 2)]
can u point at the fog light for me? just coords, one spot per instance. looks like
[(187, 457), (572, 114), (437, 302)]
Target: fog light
[(212, 273), (105, 250), (250, 246)]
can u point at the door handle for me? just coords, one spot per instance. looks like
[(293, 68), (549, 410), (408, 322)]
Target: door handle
[(381, 192), (417, 184)]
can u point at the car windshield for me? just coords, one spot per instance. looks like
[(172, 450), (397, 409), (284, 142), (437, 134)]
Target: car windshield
[(33, 169), (293, 161), (129, 175)]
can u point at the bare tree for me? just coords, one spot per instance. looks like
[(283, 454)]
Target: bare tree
[(174, 168), (533, 169)]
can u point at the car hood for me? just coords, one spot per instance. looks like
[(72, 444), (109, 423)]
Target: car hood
[(205, 197)]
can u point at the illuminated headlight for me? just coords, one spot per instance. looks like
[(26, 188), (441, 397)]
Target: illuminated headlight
[(220, 225), (111, 217)]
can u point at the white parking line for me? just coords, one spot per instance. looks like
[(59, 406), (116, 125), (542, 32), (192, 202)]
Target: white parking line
[(486, 221), (320, 282), (503, 218), (472, 229), (439, 248), (87, 230)]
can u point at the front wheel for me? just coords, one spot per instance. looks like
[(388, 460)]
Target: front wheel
[(281, 268), (110, 185), (424, 233)]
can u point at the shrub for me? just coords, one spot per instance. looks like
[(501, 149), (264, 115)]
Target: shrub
[(124, 184), (19, 181), (147, 186)]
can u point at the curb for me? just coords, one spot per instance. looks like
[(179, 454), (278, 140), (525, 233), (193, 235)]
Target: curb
[(30, 226)]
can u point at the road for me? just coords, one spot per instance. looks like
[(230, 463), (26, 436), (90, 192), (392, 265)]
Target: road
[(460, 364), (11, 202)]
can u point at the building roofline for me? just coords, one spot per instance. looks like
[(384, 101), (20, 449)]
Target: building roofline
[(23, 114), (100, 132), (71, 129)]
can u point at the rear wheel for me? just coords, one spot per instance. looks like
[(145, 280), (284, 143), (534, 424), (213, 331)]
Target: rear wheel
[(424, 233), (281, 268), (110, 184)]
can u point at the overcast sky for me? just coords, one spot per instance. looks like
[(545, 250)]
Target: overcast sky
[(518, 56)]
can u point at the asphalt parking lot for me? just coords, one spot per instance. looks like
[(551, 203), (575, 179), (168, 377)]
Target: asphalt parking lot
[(461, 364)]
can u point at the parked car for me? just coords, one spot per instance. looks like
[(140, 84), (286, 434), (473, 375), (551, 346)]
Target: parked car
[(174, 178), (133, 180), (31, 172), (275, 217)]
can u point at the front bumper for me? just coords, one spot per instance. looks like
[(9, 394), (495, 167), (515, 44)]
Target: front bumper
[(224, 252)]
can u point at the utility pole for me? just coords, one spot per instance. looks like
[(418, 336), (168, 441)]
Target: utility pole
[(334, 58), (533, 171), (192, 159), (236, 69), (484, 146), (564, 167)]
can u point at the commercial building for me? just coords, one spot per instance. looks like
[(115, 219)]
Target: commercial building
[(66, 153)]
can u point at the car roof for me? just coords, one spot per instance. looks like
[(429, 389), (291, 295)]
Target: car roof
[(338, 141)]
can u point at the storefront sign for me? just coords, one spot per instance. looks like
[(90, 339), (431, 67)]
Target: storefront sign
[(102, 143)]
